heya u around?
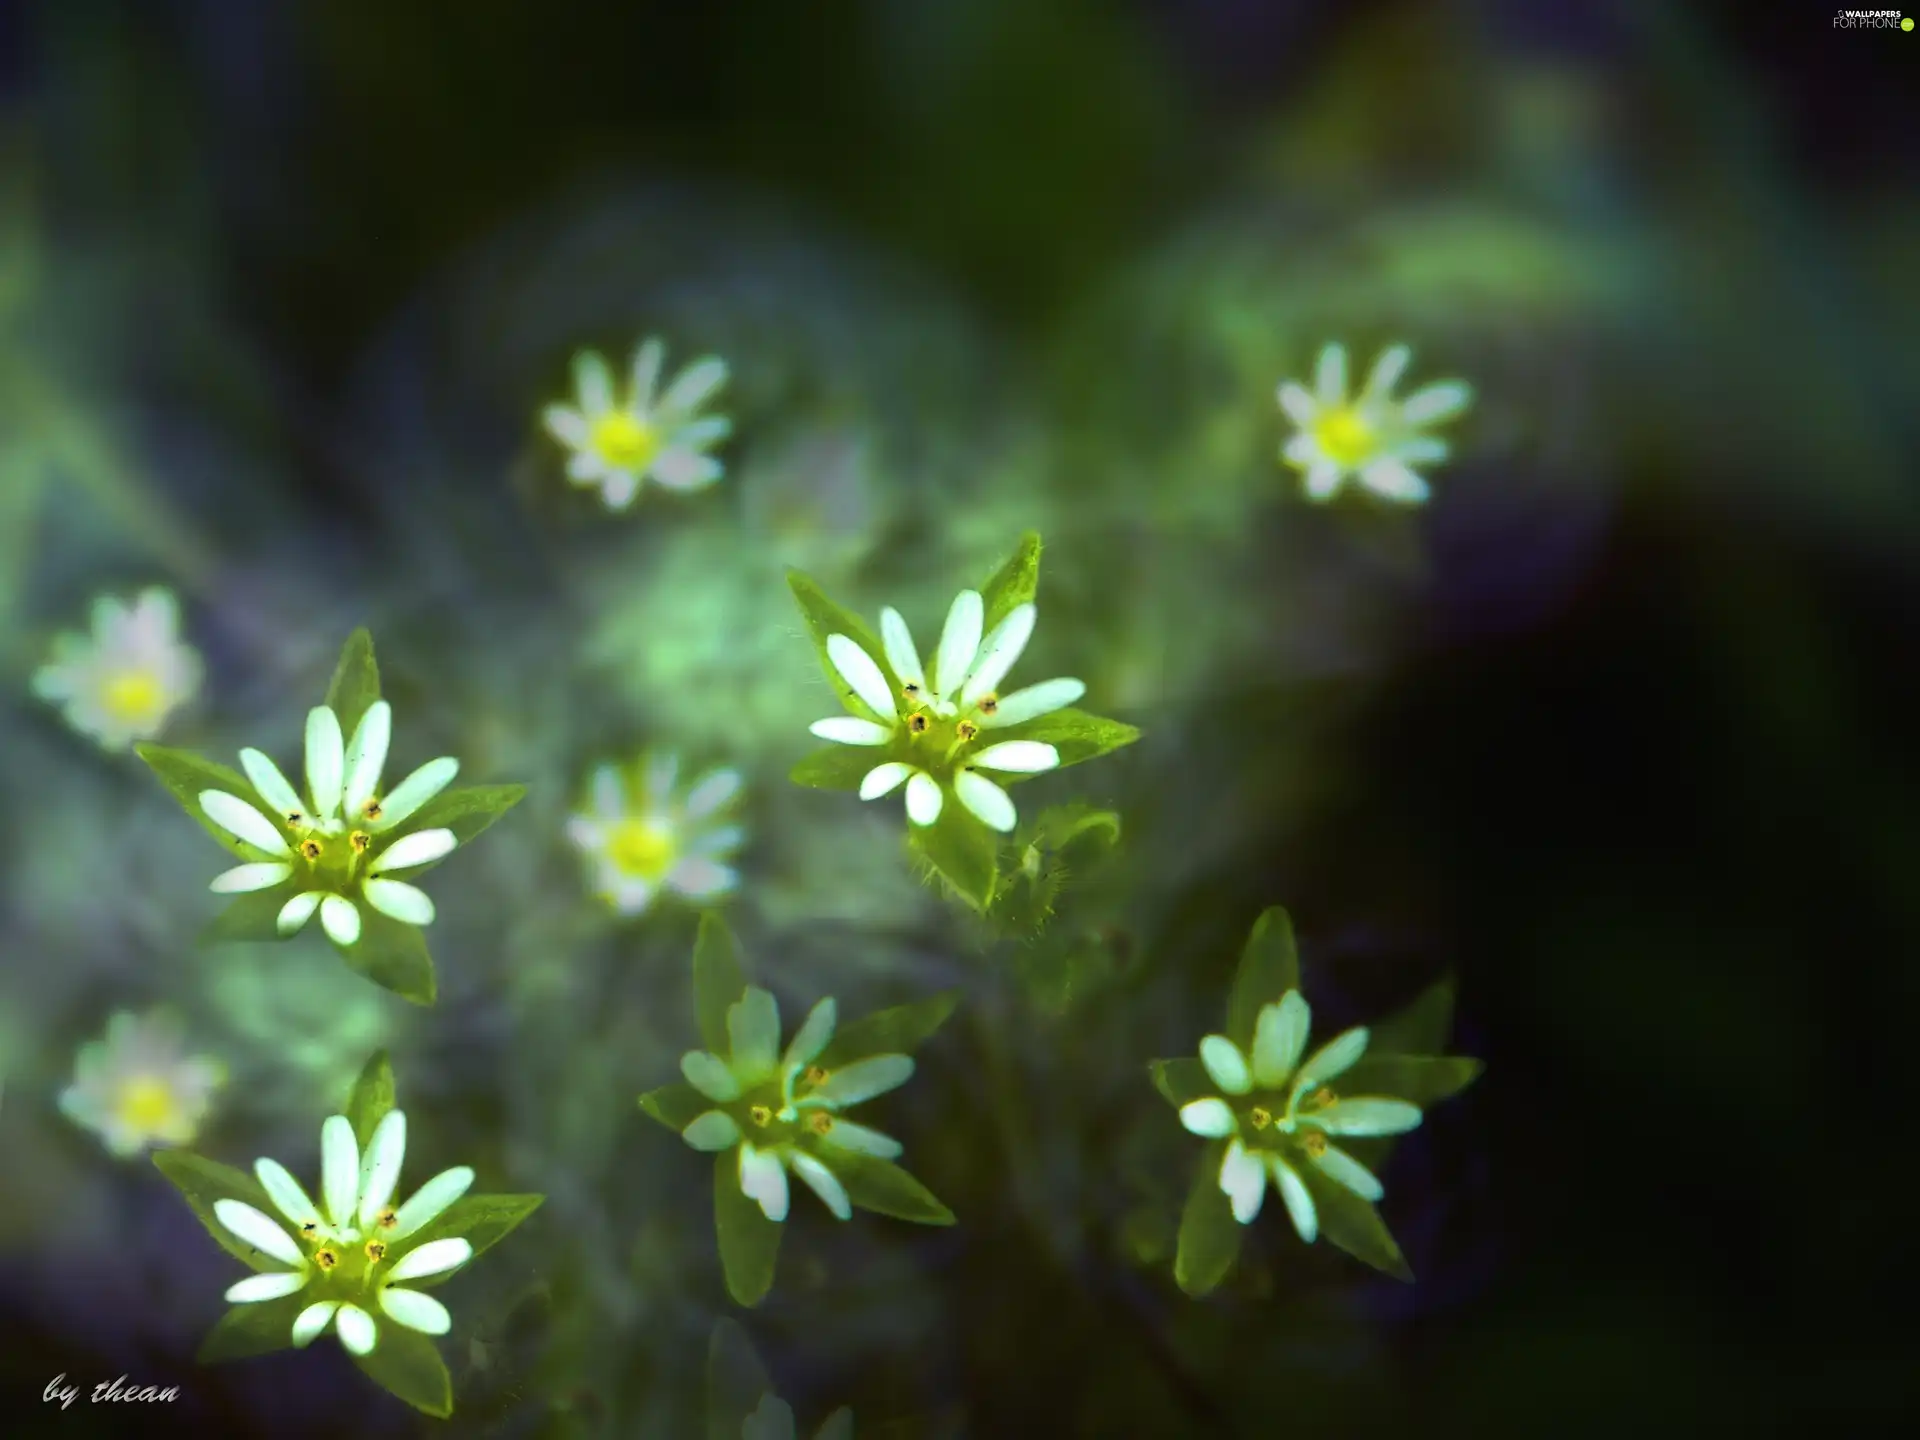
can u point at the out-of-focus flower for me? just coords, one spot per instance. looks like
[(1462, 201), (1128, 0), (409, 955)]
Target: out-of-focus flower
[(772, 1419), (641, 841), (619, 444), (1372, 437), (120, 683), (138, 1087)]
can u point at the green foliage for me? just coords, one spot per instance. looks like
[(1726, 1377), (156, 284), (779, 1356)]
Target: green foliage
[(186, 775), (1014, 584), (356, 681), (1269, 967), (249, 1330), (393, 955), (1035, 865), (961, 851), (824, 617), (1209, 1240), (1077, 735), (1182, 1081), (1354, 1225), (204, 1182), (719, 979), (371, 1099), (837, 767), (251, 919), (675, 1106), (466, 812), (407, 1365), (899, 1030), (884, 1188), (483, 1221), (749, 1242)]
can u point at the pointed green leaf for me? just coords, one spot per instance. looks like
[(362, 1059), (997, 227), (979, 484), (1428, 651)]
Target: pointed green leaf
[(838, 767), (1061, 825), (356, 682), (466, 812), (249, 1330), (749, 1242), (1209, 1235), (1014, 583), (1422, 1028), (483, 1221), (1424, 1079), (251, 919), (884, 1188), (393, 955), (1269, 967), (960, 850), (1182, 1081), (675, 1106), (185, 775), (371, 1098), (899, 1030), (204, 1182), (825, 617), (406, 1364), (1076, 734), (719, 979), (1354, 1225), (736, 1379)]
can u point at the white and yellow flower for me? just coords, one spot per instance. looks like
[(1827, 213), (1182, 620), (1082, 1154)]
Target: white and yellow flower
[(646, 839), (618, 444), (137, 1087), (1371, 436), (121, 683)]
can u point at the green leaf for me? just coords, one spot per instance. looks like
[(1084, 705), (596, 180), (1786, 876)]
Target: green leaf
[(1062, 825), (1209, 1235), (466, 812), (483, 1221), (1014, 583), (1420, 1029), (736, 1379), (1424, 1079), (251, 919), (203, 1182), (899, 1030), (186, 774), (675, 1106), (837, 1426), (749, 1242), (393, 955), (249, 1330), (719, 979), (406, 1364), (371, 1098), (356, 682), (1074, 733), (824, 617), (1354, 1225), (838, 767), (884, 1188), (1182, 1081), (962, 851), (1269, 967)]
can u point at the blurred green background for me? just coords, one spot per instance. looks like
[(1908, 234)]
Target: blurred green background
[(1617, 730)]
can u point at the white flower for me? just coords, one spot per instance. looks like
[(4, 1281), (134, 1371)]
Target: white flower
[(122, 682), (942, 712), (339, 1247), (339, 837), (1372, 437), (137, 1086), (618, 445), (1279, 1113), (658, 839)]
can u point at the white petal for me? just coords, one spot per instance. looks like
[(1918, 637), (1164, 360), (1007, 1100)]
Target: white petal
[(1366, 1116), (659, 774), (700, 434), (647, 358), (959, 642), (566, 425), (1387, 371), (998, 653), (1298, 404), (618, 487), (1243, 1179), (694, 385), (1436, 402), (258, 1230), (357, 1334), (1334, 1058), (245, 879), (812, 1036), (856, 667), (851, 730), (380, 1167), (1225, 1064), (991, 805), (884, 779), (340, 919), (1422, 450), (823, 1182), (416, 1311), (679, 469), (271, 784), (1342, 1168), (285, 1192), (1034, 701), (592, 384), (901, 654), (339, 1170), (753, 1033), (845, 1135), (1330, 375), (1391, 479), (423, 847), (433, 1258), (864, 1079), (237, 817), (401, 901), (1279, 1035), (311, 1322), (710, 793), (608, 792), (297, 911), (430, 1199), (1323, 478), (923, 798), (700, 877), (256, 1288), (367, 756), (1300, 449), (585, 468), (418, 788), (1212, 1118), (1017, 757), (326, 761), (764, 1179), (712, 1132), (1293, 1190), (710, 1075)]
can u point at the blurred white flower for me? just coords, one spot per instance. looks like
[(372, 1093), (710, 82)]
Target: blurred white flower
[(1372, 437), (619, 444), (137, 1087), (641, 843), (120, 683)]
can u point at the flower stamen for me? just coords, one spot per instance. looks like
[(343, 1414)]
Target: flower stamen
[(760, 1115), (388, 1218), (310, 849), (918, 724), (376, 1251), (1260, 1116), (1314, 1142), (820, 1122), (816, 1077), (360, 841), (372, 810), (326, 1258)]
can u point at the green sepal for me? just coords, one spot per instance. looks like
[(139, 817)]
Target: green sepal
[(1014, 584), (1269, 967), (1354, 1225), (186, 774), (675, 1106), (825, 617), (1421, 1029), (252, 919), (203, 1182), (249, 1330), (898, 1030), (1076, 734), (407, 1365), (884, 1188), (483, 1221), (356, 682), (466, 812), (961, 851), (1033, 868), (749, 1242), (1425, 1080), (719, 979), (1182, 1081), (393, 955), (838, 767), (1209, 1240), (371, 1098)]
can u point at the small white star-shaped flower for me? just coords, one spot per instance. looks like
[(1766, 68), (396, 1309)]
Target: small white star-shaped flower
[(1372, 437), (619, 444)]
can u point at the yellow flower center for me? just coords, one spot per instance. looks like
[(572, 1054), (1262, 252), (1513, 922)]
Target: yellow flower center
[(134, 696), (624, 442), (638, 848), (147, 1104), (1345, 438)]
